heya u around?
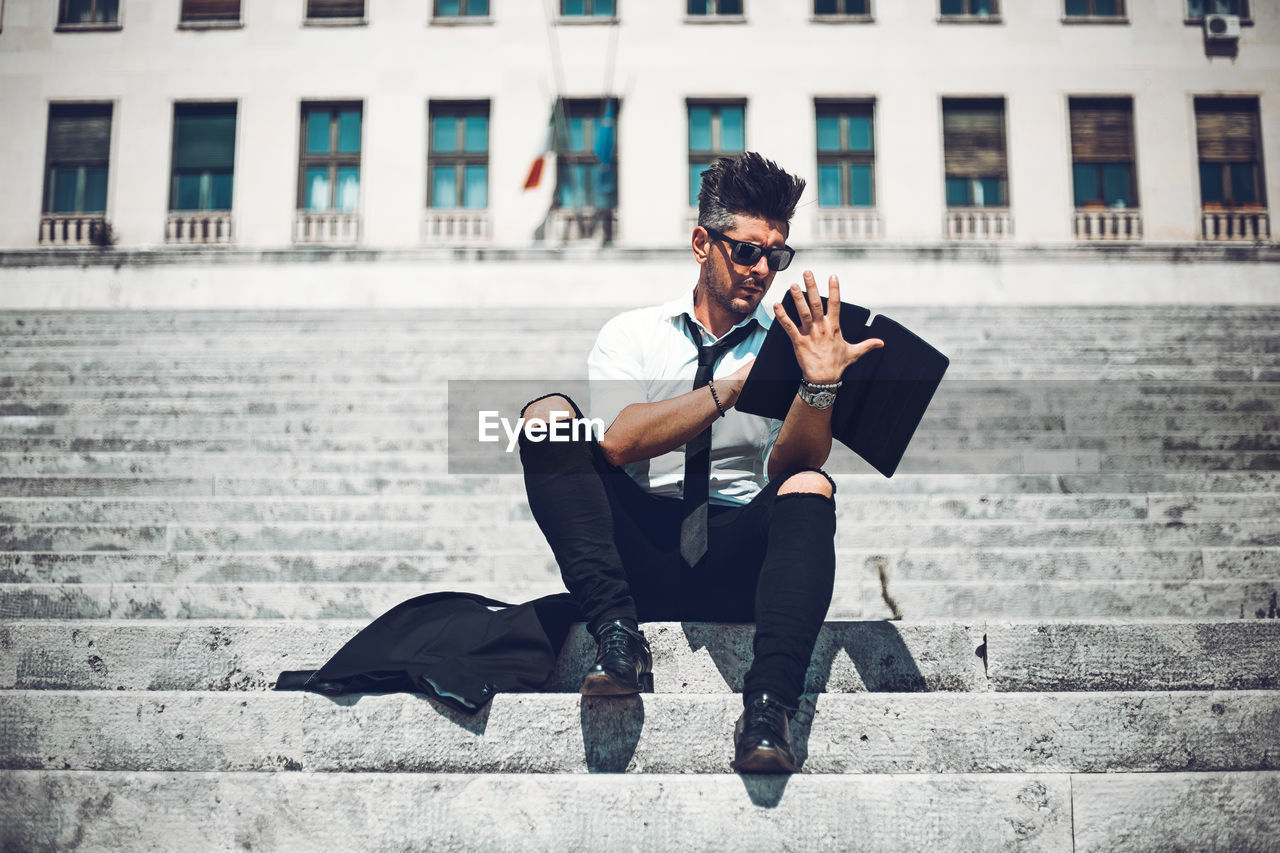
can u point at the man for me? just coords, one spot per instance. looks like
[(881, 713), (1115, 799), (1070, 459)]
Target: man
[(646, 524)]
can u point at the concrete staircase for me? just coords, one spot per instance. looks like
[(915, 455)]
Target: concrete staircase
[(1083, 546)]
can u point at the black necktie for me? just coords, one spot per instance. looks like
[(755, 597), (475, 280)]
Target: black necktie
[(697, 451)]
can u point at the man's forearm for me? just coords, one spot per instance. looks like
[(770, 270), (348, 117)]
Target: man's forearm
[(804, 440), (646, 430)]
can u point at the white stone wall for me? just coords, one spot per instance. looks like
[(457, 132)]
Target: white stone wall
[(778, 59), (878, 279)]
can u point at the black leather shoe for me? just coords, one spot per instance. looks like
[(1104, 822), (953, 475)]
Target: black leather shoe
[(762, 739), (624, 664)]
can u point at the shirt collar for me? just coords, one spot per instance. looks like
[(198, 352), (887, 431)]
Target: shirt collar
[(684, 305)]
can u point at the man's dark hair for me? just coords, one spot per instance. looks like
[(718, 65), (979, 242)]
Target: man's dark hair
[(746, 185)]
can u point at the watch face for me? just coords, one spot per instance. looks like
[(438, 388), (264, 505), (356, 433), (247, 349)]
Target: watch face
[(818, 399)]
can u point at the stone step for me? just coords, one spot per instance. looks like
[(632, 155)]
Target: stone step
[(1171, 335), (903, 565), (290, 363), (504, 348), (903, 483), (525, 536), (418, 535), (501, 352), (926, 443), (856, 596), (955, 461), (1088, 395), (142, 427), (360, 372), (654, 733), (691, 657), (455, 509), (1003, 331), (1049, 812), (1006, 331), (41, 434)]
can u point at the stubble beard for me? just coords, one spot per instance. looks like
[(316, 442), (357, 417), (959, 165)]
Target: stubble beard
[(721, 292)]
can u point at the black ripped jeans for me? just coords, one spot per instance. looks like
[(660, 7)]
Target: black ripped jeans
[(771, 561)]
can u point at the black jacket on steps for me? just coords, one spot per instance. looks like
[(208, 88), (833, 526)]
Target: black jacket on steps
[(457, 647)]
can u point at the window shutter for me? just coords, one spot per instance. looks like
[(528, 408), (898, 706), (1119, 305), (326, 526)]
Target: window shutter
[(1101, 130), (1227, 129), (335, 8), (204, 137), (973, 139), (210, 10), (79, 133)]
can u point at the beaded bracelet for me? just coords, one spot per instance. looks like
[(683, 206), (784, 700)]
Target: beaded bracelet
[(714, 396)]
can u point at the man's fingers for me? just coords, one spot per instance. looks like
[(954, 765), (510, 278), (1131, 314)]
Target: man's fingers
[(811, 291), (833, 299), (780, 314), (860, 349), (802, 308)]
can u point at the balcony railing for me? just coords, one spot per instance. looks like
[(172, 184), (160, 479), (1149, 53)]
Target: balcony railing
[(1101, 224), (571, 225), (979, 223), (326, 226), (198, 226), (848, 224), (456, 226), (74, 229), (1254, 225)]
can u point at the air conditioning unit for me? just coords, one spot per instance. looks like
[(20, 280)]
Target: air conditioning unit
[(1221, 27)]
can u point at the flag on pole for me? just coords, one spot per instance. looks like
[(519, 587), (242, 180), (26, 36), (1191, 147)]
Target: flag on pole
[(539, 165)]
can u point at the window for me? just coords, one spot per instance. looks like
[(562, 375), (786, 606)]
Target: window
[(204, 148), (1229, 144), (349, 9), (458, 162), (974, 152), (846, 154), (584, 131), (1199, 8), (588, 8), (859, 8), (1102, 152), (715, 129), (76, 158), (89, 12), (330, 161), (970, 8), (201, 11), (715, 7), (461, 8), (1095, 9)]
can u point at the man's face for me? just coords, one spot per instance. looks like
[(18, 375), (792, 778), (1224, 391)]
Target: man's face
[(736, 288)]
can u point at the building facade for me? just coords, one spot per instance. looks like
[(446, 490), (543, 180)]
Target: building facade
[(416, 123)]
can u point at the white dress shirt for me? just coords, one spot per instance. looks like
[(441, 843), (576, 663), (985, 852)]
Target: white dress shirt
[(646, 355)]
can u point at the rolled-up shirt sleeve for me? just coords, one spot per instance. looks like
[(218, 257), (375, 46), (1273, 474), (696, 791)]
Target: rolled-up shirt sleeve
[(613, 370)]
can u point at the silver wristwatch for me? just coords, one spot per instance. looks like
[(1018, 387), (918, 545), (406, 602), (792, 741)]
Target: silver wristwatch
[(820, 396)]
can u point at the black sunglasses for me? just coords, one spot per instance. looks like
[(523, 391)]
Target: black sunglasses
[(746, 254)]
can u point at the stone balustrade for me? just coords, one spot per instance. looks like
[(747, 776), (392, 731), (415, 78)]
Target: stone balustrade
[(1252, 225), (979, 223), (1104, 224), (73, 229), (566, 225), (848, 224), (198, 226), (456, 226), (326, 226)]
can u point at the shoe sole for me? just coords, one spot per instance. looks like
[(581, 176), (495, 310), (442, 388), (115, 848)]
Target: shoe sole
[(764, 761), (603, 684)]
